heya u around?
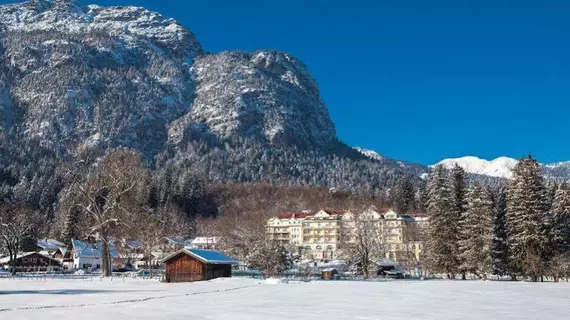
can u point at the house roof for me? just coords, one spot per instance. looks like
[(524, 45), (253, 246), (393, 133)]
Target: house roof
[(6, 260), (206, 256), (50, 244), (385, 262), (132, 244), (204, 240), (334, 212), (296, 215), (176, 240), (88, 250), (309, 213)]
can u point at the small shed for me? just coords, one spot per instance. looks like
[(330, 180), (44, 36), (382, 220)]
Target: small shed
[(188, 265), (384, 265), (329, 274)]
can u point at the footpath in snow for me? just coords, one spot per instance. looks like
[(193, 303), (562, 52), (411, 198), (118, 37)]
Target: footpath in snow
[(239, 298)]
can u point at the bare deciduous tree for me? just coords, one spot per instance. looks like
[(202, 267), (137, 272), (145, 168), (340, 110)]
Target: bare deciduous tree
[(273, 259), (16, 225), (109, 193), (362, 240)]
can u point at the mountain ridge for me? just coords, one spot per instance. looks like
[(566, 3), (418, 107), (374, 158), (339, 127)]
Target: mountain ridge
[(501, 167), (78, 77)]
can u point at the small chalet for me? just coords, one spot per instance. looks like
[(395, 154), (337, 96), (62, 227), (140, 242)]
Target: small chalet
[(32, 262), (188, 265)]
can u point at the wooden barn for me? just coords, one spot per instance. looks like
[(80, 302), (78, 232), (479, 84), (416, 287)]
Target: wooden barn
[(188, 265)]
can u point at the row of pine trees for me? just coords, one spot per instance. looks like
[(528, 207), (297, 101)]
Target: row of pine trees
[(520, 229)]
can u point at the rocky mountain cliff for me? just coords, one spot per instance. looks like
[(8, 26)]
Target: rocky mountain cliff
[(75, 75), (128, 76)]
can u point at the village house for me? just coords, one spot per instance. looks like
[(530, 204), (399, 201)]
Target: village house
[(188, 265), (207, 243), (32, 262), (87, 256)]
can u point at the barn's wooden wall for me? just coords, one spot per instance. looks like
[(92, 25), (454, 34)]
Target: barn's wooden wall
[(184, 268)]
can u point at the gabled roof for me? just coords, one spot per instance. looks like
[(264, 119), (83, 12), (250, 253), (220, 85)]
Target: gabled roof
[(206, 256), (6, 260), (88, 250)]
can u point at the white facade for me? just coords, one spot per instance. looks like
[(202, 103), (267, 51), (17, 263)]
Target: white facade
[(317, 235)]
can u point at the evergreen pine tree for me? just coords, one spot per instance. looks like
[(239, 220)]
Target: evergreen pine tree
[(421, 197), (403, 198), (457, 211), (477, 231), (441, 253), (527, 220), (71, 228), (560, 216), (500, 249), (551, 188)]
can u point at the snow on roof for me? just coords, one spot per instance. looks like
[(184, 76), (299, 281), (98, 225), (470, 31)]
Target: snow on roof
[(176, 240), (296, 215), (6, 260), (204, 240), (206, 256), (88, 250), (132, 244), (50, 244), (385, 262)]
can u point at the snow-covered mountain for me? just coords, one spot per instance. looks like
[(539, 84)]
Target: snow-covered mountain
[(370, 153), (129, 76), (88, 77), (502, 167)]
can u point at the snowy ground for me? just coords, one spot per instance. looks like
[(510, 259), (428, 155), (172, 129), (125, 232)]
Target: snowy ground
[(238, 299)]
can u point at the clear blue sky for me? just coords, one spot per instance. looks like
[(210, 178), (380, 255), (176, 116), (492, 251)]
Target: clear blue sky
[(414, 80)]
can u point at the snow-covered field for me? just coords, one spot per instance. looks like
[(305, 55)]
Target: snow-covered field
[(248, 299)]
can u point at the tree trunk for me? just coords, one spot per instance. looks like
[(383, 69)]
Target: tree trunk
[(13, 252), (13, 263), (105, 260)]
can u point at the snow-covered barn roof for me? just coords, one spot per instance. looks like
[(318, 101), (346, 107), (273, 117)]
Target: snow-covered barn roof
[(206, 256)]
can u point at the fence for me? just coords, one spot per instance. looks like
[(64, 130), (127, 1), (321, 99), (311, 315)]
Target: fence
[(85, 277)]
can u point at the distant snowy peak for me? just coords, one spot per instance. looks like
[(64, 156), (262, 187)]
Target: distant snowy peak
[(501, 167), (369, 153)]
